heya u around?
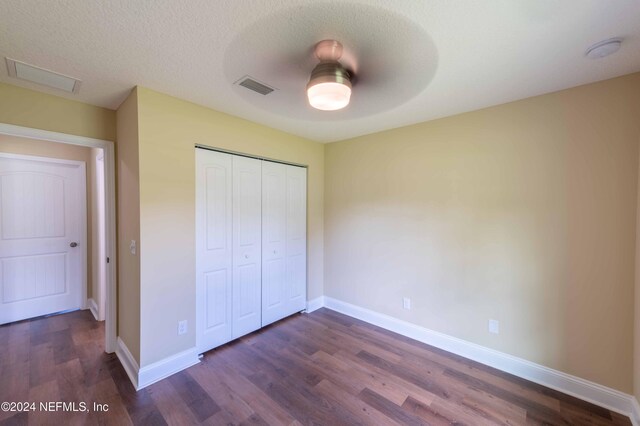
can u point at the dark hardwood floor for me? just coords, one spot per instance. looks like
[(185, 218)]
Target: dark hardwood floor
[(322, 368)]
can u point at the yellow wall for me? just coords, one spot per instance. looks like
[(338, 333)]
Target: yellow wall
[(24, 146), (168, 130), (128, 225), (524, 213), (28, 108)]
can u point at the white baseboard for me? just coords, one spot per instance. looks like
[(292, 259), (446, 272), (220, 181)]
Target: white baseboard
[(580, 388), (128, 362), (148, 375), (635, 412), (315, 304), (164, 368), (93, 307)]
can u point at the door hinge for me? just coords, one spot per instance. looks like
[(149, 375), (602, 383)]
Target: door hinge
[(107, 260)]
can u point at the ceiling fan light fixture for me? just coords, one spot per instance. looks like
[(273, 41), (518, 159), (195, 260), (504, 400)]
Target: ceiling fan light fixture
[(329, 87)]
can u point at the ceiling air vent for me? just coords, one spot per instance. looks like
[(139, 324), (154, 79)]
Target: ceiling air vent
[(37, 75), (253, 84)]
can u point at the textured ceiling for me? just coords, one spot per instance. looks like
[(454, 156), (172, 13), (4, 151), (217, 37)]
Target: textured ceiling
[(414, 60)]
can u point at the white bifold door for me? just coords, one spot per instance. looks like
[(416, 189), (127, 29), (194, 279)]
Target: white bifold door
[(42, 226), (284, 242), (250, 244), (246, 245), (214, 261)]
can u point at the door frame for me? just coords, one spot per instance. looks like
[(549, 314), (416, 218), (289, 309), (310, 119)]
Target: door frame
[(99, 172), (110, 211)]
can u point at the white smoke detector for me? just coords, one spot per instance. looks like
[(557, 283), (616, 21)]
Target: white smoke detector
[(604, 48)]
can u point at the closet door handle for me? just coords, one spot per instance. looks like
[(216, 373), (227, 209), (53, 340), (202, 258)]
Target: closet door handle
[(246, 256)]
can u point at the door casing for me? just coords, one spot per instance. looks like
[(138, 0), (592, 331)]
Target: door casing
[(110, 211)]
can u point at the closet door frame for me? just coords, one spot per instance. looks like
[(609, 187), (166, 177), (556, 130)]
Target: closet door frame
[(231, 334)]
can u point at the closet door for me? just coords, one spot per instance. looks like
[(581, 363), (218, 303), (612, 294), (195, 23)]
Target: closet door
[(247, 245), (296, 239), (274, 236), (213, 248)]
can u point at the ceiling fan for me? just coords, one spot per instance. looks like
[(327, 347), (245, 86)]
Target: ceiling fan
[(329, 87)]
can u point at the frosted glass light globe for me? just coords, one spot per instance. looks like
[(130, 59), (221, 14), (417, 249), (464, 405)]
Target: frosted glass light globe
[(329, 96)]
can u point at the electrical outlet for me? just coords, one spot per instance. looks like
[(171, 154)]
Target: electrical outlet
[(182, 327), (494, 326), (406, 303), (132, 246)]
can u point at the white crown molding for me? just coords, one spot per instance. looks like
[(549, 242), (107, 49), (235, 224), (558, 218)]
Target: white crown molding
[(571, 385)]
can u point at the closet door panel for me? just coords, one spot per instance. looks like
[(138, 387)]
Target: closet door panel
[(247, 245), (296, 238), (213, 249), (274, 282), (251, 245)]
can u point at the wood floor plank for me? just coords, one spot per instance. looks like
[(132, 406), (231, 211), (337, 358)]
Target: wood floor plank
[(14, 386), (390, 409), (199, 402), (140, 406), (225, 397), (384, 382), (106, 392), (167, 399), (430, 415), (254, 420), (260, 401), (16, 419), (424, 381), (414, 351), (300, 408), (357, 407), (45, 392), (42, 365)]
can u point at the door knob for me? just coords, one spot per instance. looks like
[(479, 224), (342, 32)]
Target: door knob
[(73, 244), (246, 256)]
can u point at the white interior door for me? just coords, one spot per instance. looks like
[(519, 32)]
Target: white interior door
[(213, 248), (42, 229), (274, 239), (247, 245), (296, 246)]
